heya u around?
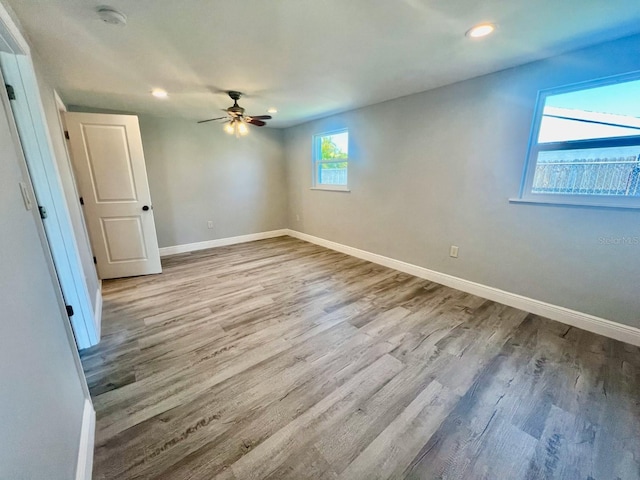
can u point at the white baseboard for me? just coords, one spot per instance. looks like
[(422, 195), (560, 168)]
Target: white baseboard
[(221, 242), (574, 318), (87, 438), (97, 314)]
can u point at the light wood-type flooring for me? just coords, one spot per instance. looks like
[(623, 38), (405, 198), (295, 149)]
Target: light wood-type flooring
[(280, 359)]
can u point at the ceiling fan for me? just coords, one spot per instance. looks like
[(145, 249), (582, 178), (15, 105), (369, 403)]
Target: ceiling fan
[(236, 119)]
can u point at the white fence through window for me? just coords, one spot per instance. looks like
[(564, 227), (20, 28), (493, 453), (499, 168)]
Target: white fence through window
[(598, 171), (333, 176)]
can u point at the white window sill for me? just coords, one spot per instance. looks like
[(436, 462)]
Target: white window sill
[(569, 203), (335, 188)]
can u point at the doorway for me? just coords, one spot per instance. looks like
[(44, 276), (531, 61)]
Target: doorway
[(18, 72)]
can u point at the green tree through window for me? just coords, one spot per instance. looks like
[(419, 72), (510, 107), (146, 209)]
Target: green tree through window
[(331, 160), (330, 151)]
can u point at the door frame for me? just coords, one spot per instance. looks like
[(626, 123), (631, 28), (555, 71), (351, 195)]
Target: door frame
[(97, 306), (18, 70)]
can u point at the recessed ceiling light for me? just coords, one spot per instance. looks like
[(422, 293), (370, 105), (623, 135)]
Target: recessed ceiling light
[(159, 93), (481, 30), (272, 110)]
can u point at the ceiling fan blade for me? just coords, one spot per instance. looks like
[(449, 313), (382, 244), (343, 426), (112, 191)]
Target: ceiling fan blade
[(256, 122), (211, 120), (261, 117)]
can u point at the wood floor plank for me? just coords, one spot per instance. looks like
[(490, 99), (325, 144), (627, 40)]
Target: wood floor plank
[(324, 415), (388, 454), (279, 359), (373, 416), (279, 382), (267, 416)]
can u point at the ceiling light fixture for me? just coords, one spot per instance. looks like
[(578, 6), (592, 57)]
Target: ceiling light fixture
[(159, 93), (272, 110), (481, 30), (237, 127), (112, 16)]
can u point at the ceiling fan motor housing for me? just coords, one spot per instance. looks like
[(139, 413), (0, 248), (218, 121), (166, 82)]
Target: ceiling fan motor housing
[(235, 110)]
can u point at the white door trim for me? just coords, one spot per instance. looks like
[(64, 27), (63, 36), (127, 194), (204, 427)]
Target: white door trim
[(83, 236), (11, 36), (84, 466), (38, 151), (97, 317)]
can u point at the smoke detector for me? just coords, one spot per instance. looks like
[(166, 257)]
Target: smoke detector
[(112, 16)]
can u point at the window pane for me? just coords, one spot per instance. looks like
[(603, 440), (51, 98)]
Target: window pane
[(600, 112), (593, 171), (332, 173), (334, 146)]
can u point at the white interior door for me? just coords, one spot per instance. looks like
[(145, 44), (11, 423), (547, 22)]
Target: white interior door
[(30, 120), (108, 159)]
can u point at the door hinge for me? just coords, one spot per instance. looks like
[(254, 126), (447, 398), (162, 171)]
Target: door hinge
[(43, 212), (69, 310), (81, 201), (11, 93), (95, 260), (66, 134)]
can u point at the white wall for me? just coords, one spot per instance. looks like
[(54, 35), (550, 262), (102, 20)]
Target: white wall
[(197, 173), (42, 398), (437, 168)]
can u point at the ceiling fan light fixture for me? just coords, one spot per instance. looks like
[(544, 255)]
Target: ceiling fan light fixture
[(272, 110), (481, 30), (237, 123), (228, 127)]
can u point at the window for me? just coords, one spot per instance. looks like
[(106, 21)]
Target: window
[(331, 160), (585, 145)]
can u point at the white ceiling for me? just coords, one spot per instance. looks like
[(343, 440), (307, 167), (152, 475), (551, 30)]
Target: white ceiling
[(309, 58)]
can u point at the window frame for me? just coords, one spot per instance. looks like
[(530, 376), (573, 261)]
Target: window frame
[(316, 160), (526, 194)]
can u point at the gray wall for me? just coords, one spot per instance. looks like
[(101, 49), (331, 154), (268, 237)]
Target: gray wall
[(68, 181), (42, 399), (437, 168), (199, 173)]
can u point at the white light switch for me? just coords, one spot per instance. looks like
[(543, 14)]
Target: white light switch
[(453, 251), (25, 196)]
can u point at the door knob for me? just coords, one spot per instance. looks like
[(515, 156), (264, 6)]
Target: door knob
[(145, 208)]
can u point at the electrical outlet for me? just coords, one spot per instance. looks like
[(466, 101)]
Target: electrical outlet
[(210, 224), (297, 217), (453, 251)]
